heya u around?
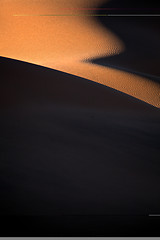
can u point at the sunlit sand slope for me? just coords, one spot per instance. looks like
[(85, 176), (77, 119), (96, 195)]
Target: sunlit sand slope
[(66, 42)]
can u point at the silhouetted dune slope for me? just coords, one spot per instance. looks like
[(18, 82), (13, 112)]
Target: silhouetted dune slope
[(71, 161), (58, 156), (25, 83), (78, 157)]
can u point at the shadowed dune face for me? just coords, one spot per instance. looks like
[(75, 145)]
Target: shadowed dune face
[(61, 154), (65, 42), (68, 161)]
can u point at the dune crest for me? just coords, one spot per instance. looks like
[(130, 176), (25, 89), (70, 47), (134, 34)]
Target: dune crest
[(65, 42)]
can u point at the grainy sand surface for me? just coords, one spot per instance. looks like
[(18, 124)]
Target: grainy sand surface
[(65, 42)]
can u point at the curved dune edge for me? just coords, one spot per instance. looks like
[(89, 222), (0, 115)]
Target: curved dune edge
[(29, 85), (63, 43)]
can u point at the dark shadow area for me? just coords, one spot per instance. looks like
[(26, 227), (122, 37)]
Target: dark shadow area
[(79, 226), (77, 158), (140, 35), (131, 7)]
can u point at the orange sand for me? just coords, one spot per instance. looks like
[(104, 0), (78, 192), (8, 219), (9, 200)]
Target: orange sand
[(63, 43)]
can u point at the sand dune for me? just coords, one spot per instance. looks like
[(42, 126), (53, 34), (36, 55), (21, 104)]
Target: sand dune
[(25, 84), (64, 43), (79, 142), (71, 146)]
